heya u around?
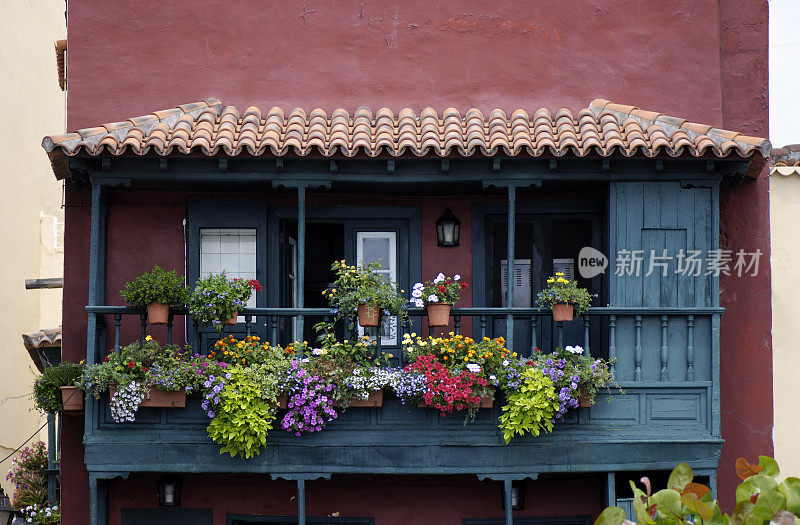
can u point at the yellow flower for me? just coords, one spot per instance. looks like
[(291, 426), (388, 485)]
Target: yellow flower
[(560, 274), (148, 338), (549, 281), (389, 355)]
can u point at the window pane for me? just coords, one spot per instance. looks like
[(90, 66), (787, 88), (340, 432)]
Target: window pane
[(377, 250), (229, 250)]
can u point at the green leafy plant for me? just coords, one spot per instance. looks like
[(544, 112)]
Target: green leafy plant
[(157, 286), (243, 419), (216, 299), (563, 291), (27, 473), (47, 387), (531, 408), (760, 499), (583, 375), (363, 285)]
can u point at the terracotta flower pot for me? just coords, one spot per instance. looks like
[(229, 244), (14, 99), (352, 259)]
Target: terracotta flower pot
[(283, 402), (159, 398), (375, 399), (562, 312), (157, 313), (368, 314), (584, 401), (439, 314), (232, 320), (71, 399)]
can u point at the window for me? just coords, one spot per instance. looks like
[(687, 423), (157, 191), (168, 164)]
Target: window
[(229, 250), (380, 247)]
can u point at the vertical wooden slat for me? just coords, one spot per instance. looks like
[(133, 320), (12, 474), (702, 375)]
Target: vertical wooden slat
[(637, 354), (690, 348), (612, 343), (507, 497), (273, 319), (247, 322), (457, 324), (534, 323), (170, 323), (301, 502), (664, 348), (143, 334), (560, 325), (483, 326), (117, 323), (586, 335)]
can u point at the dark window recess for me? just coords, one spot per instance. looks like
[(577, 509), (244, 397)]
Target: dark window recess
[(173, 516), (658, 481)]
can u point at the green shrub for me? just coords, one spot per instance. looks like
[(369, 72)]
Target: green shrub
[(158, 286), (243, 419), (760, 499), (531, 408), (47, 387)]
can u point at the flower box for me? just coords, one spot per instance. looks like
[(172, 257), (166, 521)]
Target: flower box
[(486, 402), (375, 399), (71, 399), (156, 397), (283, 402)]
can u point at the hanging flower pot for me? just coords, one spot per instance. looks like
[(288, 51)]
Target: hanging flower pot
[(232, 320), (368, 314), (283, 402), (157, 313), (71, 399), (439, 314), (562, 312)]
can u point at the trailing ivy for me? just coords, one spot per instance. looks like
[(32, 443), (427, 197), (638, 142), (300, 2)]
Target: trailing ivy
[(531, 408), (243, 419)]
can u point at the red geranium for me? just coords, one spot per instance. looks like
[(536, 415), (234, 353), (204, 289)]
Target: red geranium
[(255, 285)]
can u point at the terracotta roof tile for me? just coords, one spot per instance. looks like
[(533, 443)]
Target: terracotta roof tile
[(61, 63), (602, 129)]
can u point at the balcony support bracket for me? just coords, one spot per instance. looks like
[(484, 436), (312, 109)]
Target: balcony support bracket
[(301, 478), (507, 480)]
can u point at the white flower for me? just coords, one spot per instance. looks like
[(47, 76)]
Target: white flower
[(493, 377), (432, 298), (416, 293), (439, 278), (574, 349), (419, 303), (505, 362), (474, 368), (419, 286), (318, 351), (456, 277)]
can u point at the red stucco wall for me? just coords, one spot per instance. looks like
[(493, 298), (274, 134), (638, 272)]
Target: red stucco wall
[(391, 500), (706, 61)]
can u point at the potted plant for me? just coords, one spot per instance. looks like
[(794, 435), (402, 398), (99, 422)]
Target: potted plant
[(564, 297), (438, 296), (217, 300), (363, 290), (141, 374), (157, 291), (55, 389)]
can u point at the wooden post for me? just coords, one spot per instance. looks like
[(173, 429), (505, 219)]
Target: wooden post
[(301, 256), (512, 197), (301, 501), (507, 496)]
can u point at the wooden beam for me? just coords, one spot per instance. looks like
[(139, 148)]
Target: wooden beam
[(38, 284)]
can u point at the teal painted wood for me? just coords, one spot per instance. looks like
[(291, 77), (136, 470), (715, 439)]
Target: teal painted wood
[(301, 254), (511, 245)]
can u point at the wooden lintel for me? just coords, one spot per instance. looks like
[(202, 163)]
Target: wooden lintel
[(659, 165), (553, 164), (710, 166), (105, 163), (279, 165), (445, 166), (37, 284), (163, 163), (223, 165), (333, 167), (391, 166), (606, 164)]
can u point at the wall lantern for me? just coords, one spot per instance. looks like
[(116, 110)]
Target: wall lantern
[(517, 495), (169, 491), (448, 228)]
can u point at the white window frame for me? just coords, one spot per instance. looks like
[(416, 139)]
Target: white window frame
[(389, 337), (222, 232)]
